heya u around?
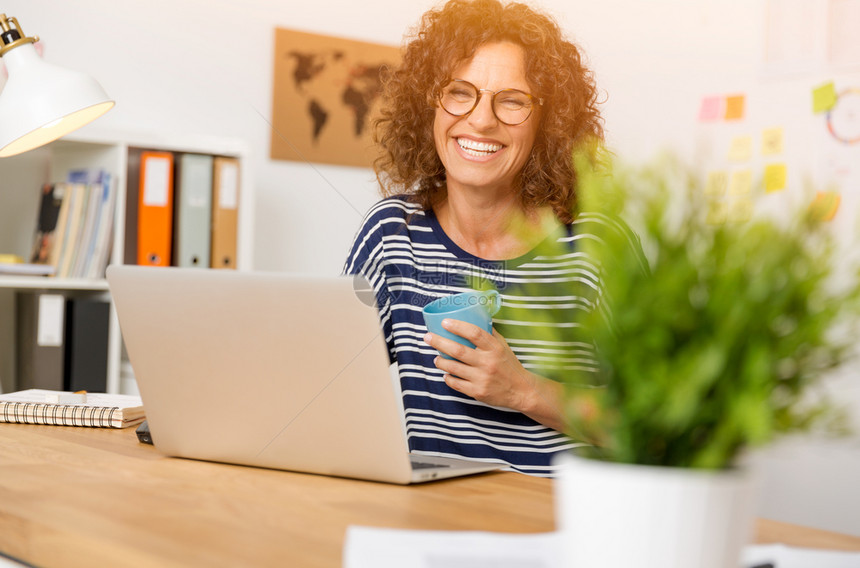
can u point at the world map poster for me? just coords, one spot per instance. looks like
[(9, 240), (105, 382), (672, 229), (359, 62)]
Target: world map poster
[(325, 95)]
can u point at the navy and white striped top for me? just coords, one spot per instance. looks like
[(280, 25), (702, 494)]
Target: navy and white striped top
[(410, 261)]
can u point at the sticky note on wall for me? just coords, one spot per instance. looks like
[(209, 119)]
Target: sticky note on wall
[(771, 141), (823, 97), (740, 182), (716, 183), (740, 149), (734, 107), (739, 210), (711, 108), (774, 177), (824, 206)]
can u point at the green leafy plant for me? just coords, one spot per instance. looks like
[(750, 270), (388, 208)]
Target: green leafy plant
[(716, 344)]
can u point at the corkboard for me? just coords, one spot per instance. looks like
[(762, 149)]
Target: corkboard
[(325, 96)]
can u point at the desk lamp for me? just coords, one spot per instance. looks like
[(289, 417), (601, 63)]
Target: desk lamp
[(41, 102)]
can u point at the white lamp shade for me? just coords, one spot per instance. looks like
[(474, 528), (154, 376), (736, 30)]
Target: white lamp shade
[(42, 102)]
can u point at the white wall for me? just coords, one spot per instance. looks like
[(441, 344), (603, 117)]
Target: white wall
[(205, 67)]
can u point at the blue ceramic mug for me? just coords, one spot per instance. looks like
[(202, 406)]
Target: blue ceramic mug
[(474, 307)]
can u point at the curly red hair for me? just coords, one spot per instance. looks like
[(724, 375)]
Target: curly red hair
[(450, 35)]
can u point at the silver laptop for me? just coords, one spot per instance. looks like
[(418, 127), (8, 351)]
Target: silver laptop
[(266, 369)]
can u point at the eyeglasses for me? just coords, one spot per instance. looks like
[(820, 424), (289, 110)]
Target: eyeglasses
[(510, 106)]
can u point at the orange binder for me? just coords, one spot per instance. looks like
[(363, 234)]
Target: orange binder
[(225, 212), (155, 209)]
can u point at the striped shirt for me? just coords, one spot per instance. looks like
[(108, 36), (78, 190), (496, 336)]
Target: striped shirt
[(410, 261)]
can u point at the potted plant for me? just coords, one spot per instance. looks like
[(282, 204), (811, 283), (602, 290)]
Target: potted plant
[(710, 339)]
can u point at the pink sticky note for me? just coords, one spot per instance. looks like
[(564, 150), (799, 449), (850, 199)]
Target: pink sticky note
[(711, 108)]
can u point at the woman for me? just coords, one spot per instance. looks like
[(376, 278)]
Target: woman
[(477, 134)]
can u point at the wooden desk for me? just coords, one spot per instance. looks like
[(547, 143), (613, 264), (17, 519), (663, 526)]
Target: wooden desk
[(96, 497)]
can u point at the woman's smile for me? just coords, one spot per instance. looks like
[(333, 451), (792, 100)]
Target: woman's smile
[(478, 149)]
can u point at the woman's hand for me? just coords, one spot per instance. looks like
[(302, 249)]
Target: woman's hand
[(492, 374)]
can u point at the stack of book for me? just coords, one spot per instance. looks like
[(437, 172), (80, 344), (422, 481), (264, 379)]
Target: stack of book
[(75, 226)]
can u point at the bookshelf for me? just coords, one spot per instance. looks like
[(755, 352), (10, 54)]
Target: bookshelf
[(21, 178)]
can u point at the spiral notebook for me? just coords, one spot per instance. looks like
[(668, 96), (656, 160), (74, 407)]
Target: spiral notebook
[(99, 410)]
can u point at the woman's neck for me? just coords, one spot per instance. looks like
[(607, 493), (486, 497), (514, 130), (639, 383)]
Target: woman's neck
[(490, 227)]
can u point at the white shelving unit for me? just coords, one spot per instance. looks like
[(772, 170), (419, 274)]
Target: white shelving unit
[(20, 180)]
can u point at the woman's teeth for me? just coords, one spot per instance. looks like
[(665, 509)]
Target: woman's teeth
[(478, 148)]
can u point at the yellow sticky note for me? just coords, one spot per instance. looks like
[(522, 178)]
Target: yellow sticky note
[(825, 206), (740, 149), (823, 97), (734, 107), (740, 182), (716, 183), (774, 177), (771, 141), (717, 213), (739, 210)]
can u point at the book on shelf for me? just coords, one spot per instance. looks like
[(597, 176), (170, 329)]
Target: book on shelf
[(92, 252), (89, 218), (61, 408), (77, 194), (74, 227), (25, 269), (52, 257), (45, 240), (99, 250)]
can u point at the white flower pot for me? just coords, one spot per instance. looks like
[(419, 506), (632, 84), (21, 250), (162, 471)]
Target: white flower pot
[(624, 516)]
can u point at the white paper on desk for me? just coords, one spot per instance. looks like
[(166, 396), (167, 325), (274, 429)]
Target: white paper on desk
[(368, 547)]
